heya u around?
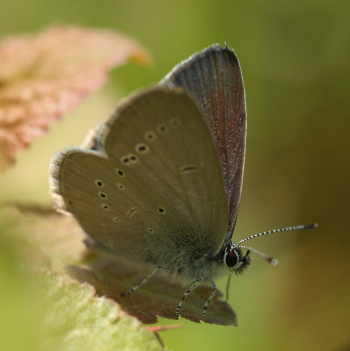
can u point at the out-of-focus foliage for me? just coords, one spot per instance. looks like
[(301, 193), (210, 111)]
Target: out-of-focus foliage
[(45, 75), (42, 307)]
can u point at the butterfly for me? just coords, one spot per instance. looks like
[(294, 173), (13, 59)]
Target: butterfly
[(160, 181)]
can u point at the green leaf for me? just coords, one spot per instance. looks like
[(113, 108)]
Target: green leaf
[(43, 303), (77, 320)]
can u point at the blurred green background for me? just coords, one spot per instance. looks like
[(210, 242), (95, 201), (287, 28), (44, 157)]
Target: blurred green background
[(295, 61)]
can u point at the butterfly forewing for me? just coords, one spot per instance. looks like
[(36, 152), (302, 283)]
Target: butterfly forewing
[(158, 184), (214, 78)]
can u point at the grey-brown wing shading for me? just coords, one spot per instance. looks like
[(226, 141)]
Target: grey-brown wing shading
[(155, 184), (214, 78)]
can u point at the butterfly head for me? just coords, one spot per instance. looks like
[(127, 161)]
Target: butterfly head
[(234, 258)]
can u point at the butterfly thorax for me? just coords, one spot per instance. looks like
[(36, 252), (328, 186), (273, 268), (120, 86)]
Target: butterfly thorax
[(189, 263)]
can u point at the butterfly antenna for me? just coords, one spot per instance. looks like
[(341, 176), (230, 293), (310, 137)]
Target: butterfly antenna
[(297, 227), (271, 260)]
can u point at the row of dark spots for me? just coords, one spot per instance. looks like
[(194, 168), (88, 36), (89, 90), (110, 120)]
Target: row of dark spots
[(160, 210), (149, 136), (121, 174), (132, 158), (129, 159), (99, 183), (102, 195), (162, 129)]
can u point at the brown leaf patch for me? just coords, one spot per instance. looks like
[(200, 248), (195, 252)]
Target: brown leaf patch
[(45, 75)]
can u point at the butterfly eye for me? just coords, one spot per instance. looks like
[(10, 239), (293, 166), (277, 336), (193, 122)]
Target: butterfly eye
[(232, 258)]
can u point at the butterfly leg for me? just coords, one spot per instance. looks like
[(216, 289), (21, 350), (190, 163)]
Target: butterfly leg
[(192, 287), (210, 297), (143, 282), (228, 286)]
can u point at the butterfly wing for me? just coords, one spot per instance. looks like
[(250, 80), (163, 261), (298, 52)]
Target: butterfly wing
[(154, 191), (214, 78)]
